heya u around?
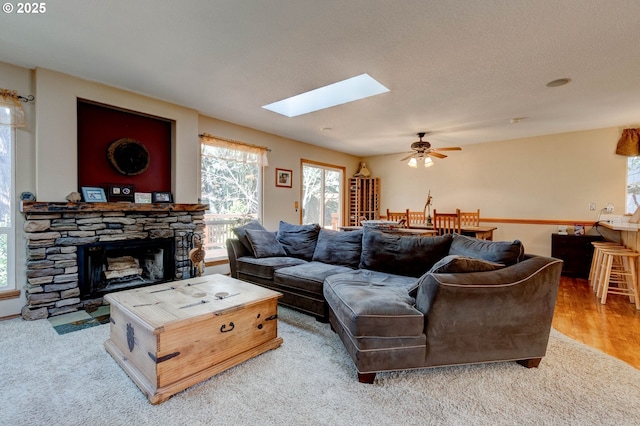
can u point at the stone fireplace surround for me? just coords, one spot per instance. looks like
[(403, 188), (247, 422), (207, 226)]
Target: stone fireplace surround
[(54, 231)]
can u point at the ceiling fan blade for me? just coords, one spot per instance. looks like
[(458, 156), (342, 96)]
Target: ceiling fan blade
[(453, 148), (436, 154), (407, 157)]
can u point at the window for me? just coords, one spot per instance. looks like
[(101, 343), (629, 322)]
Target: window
[(322, 194), (633, 184), (231, 175), (7, 137)]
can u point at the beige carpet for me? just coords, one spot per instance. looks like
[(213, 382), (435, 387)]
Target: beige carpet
[(51, 379)]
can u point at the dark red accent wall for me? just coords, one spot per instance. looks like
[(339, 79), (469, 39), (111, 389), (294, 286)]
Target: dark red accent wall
[(99, 125)]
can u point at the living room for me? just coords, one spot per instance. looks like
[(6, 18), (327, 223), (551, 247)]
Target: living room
[(524, 185), (545, 178)]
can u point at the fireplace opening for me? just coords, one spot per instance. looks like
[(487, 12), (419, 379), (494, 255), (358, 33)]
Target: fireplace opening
[(105, 267)]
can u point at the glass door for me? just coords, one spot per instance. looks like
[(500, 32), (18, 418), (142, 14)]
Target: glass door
[(322, 194)]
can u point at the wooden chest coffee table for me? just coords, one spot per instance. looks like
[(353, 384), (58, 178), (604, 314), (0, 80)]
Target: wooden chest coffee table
[(170, 336)]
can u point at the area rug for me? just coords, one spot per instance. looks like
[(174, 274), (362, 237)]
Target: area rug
[(69, 379)]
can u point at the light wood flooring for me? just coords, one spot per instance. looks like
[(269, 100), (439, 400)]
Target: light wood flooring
[(613, 328)]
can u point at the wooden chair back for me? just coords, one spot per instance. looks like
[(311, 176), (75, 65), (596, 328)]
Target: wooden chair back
[(470, 218), (415, 218), (400, 217), (446, 223)]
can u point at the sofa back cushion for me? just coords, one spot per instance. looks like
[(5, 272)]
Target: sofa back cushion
[(241, 233), (456, 264), (505, 252), (298, 240), (264, 243), (339, 248), (410, 256)]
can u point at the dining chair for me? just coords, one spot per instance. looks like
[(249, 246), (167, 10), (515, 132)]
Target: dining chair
[(470, 218), (400, 217), (414, 218), (446, 223)]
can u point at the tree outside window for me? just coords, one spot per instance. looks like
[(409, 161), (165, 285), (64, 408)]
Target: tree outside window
[(322, 195), (231, 178), (6, 195)]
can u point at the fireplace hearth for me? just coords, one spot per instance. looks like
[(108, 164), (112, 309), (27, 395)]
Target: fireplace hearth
[(77, 252)]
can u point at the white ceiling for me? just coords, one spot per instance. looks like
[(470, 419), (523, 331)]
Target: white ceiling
[(460, 69)]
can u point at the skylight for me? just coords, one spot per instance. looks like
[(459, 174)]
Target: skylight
[(349, 90)]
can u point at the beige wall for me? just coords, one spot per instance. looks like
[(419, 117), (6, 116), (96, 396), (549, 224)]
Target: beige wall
[(47, 149), (551, 177), (285, 154), (56, 133)]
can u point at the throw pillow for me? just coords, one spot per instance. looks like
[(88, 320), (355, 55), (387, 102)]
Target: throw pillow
[(338, 247), (298, 240), (505, 252), (264, 243), (241, 232), (401, 255), (454, 264)]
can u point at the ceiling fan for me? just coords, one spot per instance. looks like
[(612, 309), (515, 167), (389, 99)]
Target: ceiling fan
[(422, 151)]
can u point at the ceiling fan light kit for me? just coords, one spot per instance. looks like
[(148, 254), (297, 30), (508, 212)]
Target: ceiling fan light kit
[(422, 152)]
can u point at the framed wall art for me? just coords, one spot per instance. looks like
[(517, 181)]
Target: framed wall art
[(161, 197), (120, 192), (142, 197), (283, 178), (92, 194)]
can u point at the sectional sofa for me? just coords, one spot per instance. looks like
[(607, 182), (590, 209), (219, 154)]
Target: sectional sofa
[(403, 302)]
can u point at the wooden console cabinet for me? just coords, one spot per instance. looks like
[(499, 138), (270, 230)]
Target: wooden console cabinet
[(576, 251)]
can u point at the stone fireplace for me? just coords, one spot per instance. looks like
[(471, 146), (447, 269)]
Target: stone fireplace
[(77, 252)]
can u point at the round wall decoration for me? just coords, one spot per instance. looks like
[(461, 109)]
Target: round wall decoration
[(128, 156)]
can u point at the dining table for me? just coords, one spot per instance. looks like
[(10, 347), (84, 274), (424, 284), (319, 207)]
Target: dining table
[(480, 232), (401, 231)]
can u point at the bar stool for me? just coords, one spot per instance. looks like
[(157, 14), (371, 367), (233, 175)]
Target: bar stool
[(596, 262), (618, 267)]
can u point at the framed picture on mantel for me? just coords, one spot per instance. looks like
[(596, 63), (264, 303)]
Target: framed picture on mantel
[(91, 194)]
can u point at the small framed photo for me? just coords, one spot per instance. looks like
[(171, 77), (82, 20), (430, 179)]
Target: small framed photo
[(91, 194), (283, 178), (162, 197), (143, 197), (120, 192)]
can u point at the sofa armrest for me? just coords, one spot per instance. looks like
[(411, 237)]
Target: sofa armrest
[(235, 250), (495, 315)]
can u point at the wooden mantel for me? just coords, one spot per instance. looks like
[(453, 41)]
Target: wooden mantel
[(54, 207)]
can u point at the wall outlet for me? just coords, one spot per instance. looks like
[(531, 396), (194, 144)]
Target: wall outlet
[(610, 208), (592, 206)]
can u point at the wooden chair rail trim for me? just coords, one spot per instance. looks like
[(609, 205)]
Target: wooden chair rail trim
[(590, 222)]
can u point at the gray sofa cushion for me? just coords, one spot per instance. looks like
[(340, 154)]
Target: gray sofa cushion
[(298, 240), (505, 252), (264, 243), (307, 276), (402, 255), (339, 248), (454, 263), (370, 303), (265, 266), (241, 232)]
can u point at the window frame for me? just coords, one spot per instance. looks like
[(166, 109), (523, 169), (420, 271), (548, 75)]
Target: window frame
[(628, 208), (10, 231), (341, 196), (221, 257)]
